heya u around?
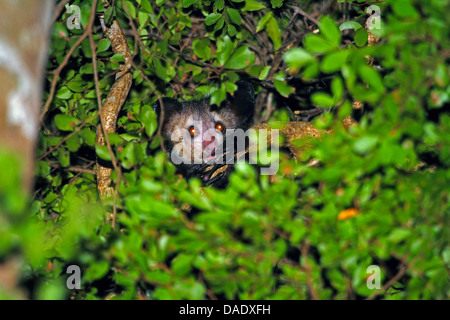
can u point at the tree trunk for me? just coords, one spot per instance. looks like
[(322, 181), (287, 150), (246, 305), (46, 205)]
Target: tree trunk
[(24, 30)]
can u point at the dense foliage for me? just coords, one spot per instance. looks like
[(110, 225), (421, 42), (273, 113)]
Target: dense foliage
[(379, 195)]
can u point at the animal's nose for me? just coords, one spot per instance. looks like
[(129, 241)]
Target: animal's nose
[(208, 141)]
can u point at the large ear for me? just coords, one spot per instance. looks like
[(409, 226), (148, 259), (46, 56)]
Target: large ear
[(169, 105), (244, 100)]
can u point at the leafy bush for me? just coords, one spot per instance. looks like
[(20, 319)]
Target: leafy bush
[(379, 195)]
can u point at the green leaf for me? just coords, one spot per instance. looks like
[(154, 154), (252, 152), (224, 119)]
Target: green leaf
[(103, 45), (263, 21), (399, 234), (109, 14), (129, 137), (102, 152), (364, 145), (219, 24), (252, 5), (165, 73), (64, 93), (242, 58), (264, 73), (182, 264), (441, 75), (276, 3), (404, 9), (330, 31), (146, 7), (162, 47), (88, 136), (131, 8), (51, 290), (143, 18), (283, 88), (212, 18), (218, 96), (85, 14), (317, 44), (296, 58), (361, 37), (224, 49), (311, 71), (371, 77), (64, 157), (66, 122), (322, 99), (76, 85), (202, 49), (53, 141), (273, 30), (230, 87), (334, 61), (337, 88), (231, 30), (87, 68), (117, 57), (73, 143), (149, 120), (218, 5), (350, 25), (234, 16), (349, 75), (114, 139), (187, 3), (97, 270)]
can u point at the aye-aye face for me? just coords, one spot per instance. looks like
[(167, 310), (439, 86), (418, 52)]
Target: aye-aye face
[(194, 131)]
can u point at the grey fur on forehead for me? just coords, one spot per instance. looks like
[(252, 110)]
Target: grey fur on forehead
[(201, 110), (196, 109)]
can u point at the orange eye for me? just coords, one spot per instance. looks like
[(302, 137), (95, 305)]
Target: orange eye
[(192, 131), (219, 126)]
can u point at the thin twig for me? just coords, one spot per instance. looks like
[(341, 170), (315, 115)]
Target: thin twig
[(269, 108), (75, 168), (304, 254), (303, 13), (389, 284), (58, 9)]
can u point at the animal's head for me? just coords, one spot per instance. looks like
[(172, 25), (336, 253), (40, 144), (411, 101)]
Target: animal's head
[(194, 131)]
